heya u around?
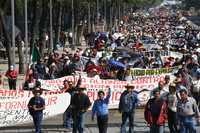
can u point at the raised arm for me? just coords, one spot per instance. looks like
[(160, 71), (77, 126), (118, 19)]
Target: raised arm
[(108, 96)]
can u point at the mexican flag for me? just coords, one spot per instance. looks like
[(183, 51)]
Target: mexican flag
[(35, 55)]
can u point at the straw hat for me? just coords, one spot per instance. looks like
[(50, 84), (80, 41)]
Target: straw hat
[(129, 86)]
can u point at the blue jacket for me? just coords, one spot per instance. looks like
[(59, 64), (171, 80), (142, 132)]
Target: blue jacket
[(100, 106), (128, 101)]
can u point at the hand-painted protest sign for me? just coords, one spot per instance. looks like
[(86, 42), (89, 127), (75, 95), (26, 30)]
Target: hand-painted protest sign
[(154, 53), (14, 111), (150, 72), (142, 86)]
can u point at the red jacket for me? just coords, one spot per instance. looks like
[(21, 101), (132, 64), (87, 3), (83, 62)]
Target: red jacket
[(12, 74), (160, 120)]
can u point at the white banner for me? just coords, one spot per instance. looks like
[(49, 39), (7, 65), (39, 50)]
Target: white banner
[(14, 111), (143, 86)]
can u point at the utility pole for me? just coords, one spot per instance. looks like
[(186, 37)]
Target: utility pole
[(51, 29), (13, 30), (73, 34), (26, 35)]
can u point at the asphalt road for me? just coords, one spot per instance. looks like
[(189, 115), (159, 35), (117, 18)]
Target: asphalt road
[(54, 124)]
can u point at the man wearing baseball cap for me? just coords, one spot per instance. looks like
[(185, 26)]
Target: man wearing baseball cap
[(128, 101)]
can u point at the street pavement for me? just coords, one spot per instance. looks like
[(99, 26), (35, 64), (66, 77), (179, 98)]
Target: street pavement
[(54, 125)]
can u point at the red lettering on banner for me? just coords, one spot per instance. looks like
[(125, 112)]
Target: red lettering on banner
[(97, 81), (115, 86), (151, 86), (21, 93), (50, 82), (137, 87), (115, 82), (2, 93), (14, 105), (146, 80), (112, 96), (85, 85), (110, 82), (143, 87), (83, 79), (92, 81), (69, 78), (162, 78), (117, 96), (90, 95), (52, 101), (156, 79)]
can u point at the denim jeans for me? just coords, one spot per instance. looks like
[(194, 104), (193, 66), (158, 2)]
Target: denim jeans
[(78, 124), (102, 122), (67, 119), (156, 128), (130, 117), (37, 120), (188, 124)]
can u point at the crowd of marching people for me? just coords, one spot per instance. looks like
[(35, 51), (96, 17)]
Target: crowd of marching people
[(139, 41)]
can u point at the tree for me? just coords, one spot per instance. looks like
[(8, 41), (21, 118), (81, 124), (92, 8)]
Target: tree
[(7, 40), (187, 4)]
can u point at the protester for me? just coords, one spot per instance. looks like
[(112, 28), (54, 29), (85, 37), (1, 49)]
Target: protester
[(171, 112), (167, 83), (1, 80), (36, 105), (71, 88), (155, 113), (30, 83), (154, 39), (12, 74), (127, 104), (40, 69), (187, 112), (100, 108), (80, 104), (196, 90), (163, 92)]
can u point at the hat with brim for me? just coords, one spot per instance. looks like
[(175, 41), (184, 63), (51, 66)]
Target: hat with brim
[(37, 90), (176, 81), (129, 86)]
